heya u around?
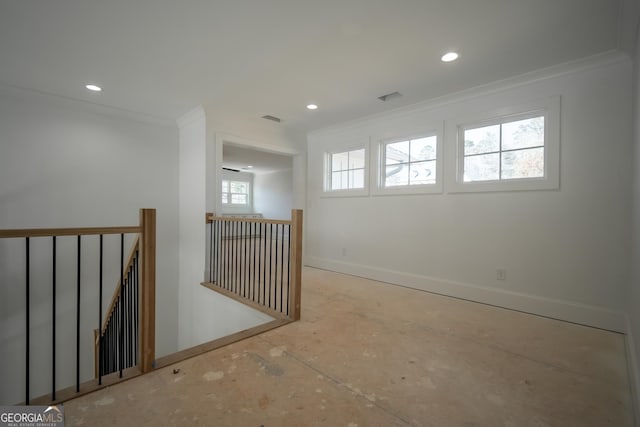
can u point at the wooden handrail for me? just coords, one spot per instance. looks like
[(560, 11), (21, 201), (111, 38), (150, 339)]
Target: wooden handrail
[(116, 292), (296, 264), (84, 231), (210, 217), (147, 301)]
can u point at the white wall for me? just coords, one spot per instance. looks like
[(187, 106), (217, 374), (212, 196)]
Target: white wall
[(273, 194), (633, 307), (192, 209), (204, 314), (566, 252), (69, 164)]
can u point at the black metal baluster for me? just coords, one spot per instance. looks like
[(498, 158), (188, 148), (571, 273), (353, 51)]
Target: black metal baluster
[(264, 268), (259, 263), (281, 266), (231, 243), (218, 240), (244, 260), (121, 325), (28, 327), (289, 271), (270, 251), (78, 317), (252, 260), (130, 318), (223, 253), (235, 257), (237, 266), (110, 344), (53, 324), (130, 315), (100, 313), (211, 252), (127, 320), (114, 339), (137, 305), (227, 261)]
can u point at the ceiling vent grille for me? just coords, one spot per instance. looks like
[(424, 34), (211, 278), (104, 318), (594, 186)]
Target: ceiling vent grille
[(272, 118), (390, 96)]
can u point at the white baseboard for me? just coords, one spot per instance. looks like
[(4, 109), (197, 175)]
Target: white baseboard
[(633, 366), (558, 309)]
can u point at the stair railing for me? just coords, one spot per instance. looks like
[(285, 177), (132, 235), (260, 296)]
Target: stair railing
[(257, 261), (134, 295)]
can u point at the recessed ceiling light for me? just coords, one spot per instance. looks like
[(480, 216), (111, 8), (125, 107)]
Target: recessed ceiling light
[(312, 107), (94, 88), (249, 166), (449, 56)]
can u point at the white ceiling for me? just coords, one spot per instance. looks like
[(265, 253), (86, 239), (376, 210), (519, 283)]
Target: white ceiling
[(237, 157), (256, 57)]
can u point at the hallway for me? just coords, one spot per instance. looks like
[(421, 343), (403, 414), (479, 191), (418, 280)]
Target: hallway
[(369, 354)]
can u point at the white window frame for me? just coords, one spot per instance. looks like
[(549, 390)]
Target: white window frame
[(229, 193), (327, 171), (380, 155), (547, 107)]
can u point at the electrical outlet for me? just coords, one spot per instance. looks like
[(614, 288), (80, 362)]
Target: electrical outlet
[(501, 274)]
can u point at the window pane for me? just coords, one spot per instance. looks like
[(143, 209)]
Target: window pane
[(423, 149), (523, 133), (482, 140), (239, 199), (339, 180), (356, 178), (422, 173), (482, 168), (339, 161), (356, 159), (239, 187), (397, 152), (225, 198), (225, 186), (397, 175), (523, 164)]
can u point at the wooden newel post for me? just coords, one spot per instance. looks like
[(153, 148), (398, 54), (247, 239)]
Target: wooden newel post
[(147, 289), (296, 263)]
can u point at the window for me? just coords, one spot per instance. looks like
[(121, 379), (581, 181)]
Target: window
[(235, 192), (506, 150), (409, 162), (347, 170)]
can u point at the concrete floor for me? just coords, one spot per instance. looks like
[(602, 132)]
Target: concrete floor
[(371, 354)]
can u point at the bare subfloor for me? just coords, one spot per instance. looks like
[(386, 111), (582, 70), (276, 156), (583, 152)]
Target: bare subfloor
[(371, 354)]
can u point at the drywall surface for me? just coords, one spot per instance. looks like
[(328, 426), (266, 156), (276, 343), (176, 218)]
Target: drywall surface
[(633, 308), (204, 314), (273, 194), (192, 209), (70, 164), (565, 251)]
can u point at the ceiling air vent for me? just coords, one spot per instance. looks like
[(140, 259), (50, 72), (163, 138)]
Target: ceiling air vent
[(390, 96), (272, 118)]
